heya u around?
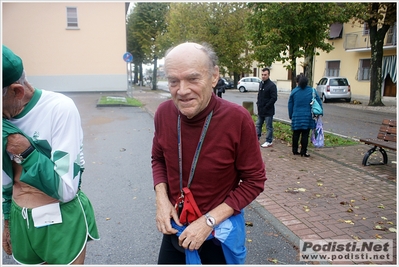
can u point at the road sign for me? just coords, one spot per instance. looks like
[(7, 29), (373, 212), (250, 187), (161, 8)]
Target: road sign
[(127, 57)]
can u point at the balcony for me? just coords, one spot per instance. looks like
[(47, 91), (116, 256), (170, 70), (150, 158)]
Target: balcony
[(360, 41)]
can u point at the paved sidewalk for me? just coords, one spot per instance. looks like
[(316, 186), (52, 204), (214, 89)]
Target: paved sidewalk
[(329, 195)]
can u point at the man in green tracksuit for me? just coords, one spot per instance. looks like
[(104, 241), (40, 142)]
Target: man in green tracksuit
[(47, 218)]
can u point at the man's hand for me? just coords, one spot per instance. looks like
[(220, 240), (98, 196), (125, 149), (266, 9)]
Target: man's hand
[(6, 239), (17, 143), (195, 234), (198, 231), (165, 211)]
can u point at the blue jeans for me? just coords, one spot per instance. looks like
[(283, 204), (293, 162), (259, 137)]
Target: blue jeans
[(269, 127)]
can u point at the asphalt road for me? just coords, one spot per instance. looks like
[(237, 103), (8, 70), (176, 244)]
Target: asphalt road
[(118, 181), (338, 117)]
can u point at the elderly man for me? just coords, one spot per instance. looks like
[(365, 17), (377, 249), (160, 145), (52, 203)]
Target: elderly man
[(206, 161), (47, 218)]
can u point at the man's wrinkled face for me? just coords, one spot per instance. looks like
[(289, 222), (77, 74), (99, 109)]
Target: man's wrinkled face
[(189, 79)]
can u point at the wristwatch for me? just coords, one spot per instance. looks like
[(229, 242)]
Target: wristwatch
[(21, 157), (210, 221)]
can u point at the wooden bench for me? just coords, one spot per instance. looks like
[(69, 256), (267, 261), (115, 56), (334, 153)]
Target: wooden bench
[(386, 138)]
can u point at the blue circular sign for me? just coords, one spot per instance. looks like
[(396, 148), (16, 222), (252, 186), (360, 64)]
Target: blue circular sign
[(128, 57)]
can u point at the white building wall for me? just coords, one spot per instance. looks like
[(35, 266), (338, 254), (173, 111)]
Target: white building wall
[(57, 58)]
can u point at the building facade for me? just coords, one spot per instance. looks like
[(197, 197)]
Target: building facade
[(350, 58), (69, 46)]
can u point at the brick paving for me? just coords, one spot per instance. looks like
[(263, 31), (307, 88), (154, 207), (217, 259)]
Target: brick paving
[(329, 195)]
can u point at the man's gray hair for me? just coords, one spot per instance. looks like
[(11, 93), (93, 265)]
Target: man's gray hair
[(22, 80), (209, 52)]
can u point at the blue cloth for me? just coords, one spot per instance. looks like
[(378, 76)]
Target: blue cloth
[(231, 234), (299, 108)]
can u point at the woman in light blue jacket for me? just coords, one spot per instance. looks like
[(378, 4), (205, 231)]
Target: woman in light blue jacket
[(299, 111)]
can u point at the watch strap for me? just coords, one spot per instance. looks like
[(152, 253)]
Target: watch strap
[(27, 152)]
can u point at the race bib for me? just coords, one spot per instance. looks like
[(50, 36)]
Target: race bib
[(47, 215)]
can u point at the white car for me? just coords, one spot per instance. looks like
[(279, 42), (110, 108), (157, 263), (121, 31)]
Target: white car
[(247, 84), (334, 88)]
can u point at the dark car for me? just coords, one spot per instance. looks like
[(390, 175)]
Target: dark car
[(229, 82)]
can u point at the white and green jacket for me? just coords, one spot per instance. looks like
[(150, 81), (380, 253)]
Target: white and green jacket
[(51, 122)]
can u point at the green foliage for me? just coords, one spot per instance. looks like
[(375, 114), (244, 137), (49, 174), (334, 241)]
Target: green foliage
[(220, 24), (287, 31), (145, 24), (283, 132)]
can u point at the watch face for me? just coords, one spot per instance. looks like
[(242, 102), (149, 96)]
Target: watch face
[(17, 159), (210, 221)]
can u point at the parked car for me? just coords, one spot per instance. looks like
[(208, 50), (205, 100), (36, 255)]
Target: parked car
[(248, 84), (229, 82), (334, 88)]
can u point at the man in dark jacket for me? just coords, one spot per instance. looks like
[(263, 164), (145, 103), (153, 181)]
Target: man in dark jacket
[(267, 96), (220, 87)]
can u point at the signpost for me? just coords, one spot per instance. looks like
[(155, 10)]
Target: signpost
[(128, 58)]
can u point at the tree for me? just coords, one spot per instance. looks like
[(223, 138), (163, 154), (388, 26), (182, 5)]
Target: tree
[(148, 24), (273, 37), (222, 25), (379, 18), (134, 47)]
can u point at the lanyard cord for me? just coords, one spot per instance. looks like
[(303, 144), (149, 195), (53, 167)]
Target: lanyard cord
[(197, 151)]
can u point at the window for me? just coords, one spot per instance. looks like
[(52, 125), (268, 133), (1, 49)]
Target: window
[(332, 68), (364, 69), (366, 29), (72, 17), (336, 30), (391, 35)]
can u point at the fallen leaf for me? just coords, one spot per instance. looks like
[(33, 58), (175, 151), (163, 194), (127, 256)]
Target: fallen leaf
[(381, 206), (389, 222), (291, 190), (379, 227), (384, 218), (249, 240), (272, 260), (378, 236), (343, 203), (306, 208), (393, 230), (349, 210), (249, 224), (319, 184), (301, 189), (346, 221), (107, 219), (356, 238)]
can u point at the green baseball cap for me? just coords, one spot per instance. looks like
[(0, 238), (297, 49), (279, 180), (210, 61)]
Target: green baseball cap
[(12, 67)]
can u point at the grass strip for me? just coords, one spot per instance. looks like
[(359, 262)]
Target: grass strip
[(118, 101)]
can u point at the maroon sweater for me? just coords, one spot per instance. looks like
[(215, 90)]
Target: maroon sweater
[(230, 167)]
